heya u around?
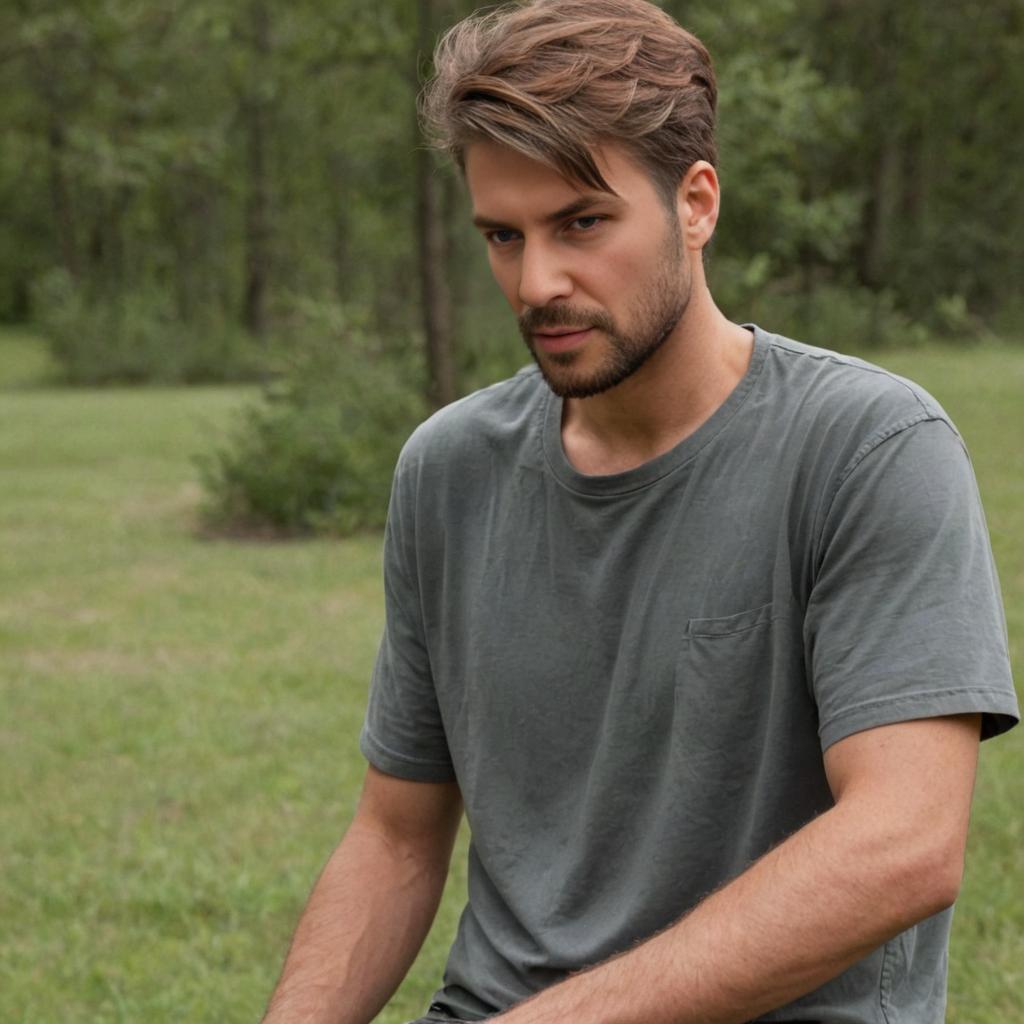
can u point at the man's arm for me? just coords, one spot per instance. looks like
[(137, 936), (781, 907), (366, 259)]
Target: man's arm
[(372, 906), (888, 854)]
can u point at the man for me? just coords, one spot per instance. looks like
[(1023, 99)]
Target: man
[(699, 624)]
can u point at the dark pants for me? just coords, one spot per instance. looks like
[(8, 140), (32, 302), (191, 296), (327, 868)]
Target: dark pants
[(439, 1016), (455, 1020)]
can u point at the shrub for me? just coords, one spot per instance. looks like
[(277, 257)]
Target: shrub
[(822, 312), (137, 337), (316, 452)]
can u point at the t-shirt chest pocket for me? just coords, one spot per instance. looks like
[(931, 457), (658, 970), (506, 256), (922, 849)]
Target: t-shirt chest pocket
[(727, 669), (742, 624)]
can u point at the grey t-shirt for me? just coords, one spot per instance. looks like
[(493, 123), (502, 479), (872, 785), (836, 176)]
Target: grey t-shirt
[(633, 677)]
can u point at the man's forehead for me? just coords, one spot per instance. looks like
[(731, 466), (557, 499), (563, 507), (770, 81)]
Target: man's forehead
[(501, 180)]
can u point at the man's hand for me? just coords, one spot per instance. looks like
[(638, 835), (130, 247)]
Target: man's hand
[(887, 855)]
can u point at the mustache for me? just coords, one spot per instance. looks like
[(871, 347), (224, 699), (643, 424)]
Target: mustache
[(562, 316)]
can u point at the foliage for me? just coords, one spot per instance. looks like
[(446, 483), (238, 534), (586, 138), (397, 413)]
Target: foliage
[(834, 316), (867, 146), (210, 159), (782, 128), (137, 337), (317, 452)]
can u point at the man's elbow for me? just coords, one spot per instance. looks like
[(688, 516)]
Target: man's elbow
[(932, 878)]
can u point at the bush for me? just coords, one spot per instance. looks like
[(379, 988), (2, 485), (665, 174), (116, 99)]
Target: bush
[(316, 453), (137, 338), (820, 312)]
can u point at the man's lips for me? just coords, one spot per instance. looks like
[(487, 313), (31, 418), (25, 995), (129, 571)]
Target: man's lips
[(561, 340)]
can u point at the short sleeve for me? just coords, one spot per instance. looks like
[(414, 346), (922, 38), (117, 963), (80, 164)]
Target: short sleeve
[(403, 734), (905, 618)]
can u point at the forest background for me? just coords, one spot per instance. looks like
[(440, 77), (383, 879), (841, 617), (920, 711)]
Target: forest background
[(234, 195), (201, 190)]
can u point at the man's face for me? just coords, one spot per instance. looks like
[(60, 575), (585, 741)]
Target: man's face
[(597, 280)]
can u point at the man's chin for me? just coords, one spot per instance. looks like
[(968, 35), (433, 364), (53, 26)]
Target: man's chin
[(560, 359), (557, 370), (566, 384)]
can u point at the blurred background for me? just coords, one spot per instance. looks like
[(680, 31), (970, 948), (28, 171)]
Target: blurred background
[(197, 191), (232, 280)]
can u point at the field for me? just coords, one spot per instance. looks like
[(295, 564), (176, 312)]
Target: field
[(177, 739)]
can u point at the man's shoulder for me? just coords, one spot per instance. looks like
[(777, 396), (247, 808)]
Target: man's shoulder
[(834, 389), (480, 424)]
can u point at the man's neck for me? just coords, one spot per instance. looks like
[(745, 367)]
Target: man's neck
[(665, 401)]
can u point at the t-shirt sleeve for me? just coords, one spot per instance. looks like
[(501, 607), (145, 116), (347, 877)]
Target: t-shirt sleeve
[(905, 618), (403, 733)]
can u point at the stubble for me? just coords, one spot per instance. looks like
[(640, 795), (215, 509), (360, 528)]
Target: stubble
[(651, 320)]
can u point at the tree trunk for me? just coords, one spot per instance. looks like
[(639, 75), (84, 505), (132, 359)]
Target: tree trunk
[(193, 224), (60, 198), (338, 190), (887, 170), (107, 244), (433, 253), (257, 204), (883, 208)]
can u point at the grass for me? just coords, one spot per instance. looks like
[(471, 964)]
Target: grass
[(178, 738)]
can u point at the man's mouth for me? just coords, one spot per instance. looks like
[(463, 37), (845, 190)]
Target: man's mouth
[(561, 339)]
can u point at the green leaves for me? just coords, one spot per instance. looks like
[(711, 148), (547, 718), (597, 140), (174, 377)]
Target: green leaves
[(862, 145), (316, 454)]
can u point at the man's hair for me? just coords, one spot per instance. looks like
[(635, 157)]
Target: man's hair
[(553, 79)]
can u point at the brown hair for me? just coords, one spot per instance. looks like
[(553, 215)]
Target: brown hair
[(553, 78)]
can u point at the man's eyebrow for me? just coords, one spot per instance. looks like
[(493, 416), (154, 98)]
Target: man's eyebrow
[(579, 204)]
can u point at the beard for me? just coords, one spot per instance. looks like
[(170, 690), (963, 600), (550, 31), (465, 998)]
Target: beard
[(652, 317)]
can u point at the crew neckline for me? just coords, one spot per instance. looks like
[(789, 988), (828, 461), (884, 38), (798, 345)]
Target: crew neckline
[(653, 470)]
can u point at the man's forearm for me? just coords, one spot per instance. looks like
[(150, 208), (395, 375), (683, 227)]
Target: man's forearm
[(362, 927), (862, 872), (778, 931)]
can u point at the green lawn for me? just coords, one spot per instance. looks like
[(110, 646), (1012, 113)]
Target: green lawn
[(178, 736)]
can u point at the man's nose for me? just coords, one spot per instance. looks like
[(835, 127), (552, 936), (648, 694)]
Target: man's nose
[(543, 277)]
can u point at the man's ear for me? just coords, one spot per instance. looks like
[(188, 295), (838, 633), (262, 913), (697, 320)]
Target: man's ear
[(697, 202)]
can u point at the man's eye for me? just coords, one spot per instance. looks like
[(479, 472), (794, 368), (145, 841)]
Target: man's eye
[(586, 223), (501, 236)]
